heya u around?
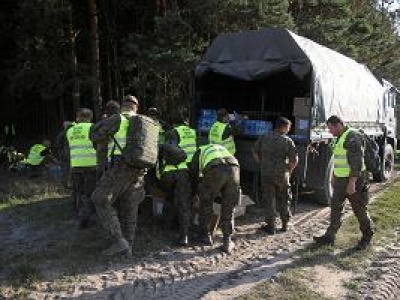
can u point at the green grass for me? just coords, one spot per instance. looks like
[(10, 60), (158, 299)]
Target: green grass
[(288, 286), (24, 273), (385, 213)]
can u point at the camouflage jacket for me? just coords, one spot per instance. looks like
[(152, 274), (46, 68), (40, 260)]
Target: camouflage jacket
[(274, 150)]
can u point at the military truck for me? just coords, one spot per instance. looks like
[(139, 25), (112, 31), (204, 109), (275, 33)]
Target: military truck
[(263, 74)]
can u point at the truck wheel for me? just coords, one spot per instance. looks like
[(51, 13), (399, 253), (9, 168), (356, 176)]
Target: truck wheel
[(324, 195), (387, 164)]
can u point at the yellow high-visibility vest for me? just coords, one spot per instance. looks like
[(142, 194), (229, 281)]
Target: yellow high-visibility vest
[(215, 137), (34, 158), (187, 141), (341, 165), (210, 152), (169, 168), (120, 137), (82, 152)]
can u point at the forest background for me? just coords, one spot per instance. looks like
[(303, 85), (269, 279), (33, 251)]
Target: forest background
[(58, 55)]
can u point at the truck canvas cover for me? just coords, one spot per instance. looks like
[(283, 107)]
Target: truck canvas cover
[(339, 84)]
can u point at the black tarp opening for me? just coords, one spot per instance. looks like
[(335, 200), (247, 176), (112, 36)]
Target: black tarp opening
[(254, 55)]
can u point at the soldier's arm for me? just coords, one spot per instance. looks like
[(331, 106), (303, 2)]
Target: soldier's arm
[(292, 155), (102, 131), (172, 137), (355, 154), (229, 130)]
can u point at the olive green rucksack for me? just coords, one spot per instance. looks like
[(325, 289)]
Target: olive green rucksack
[(372, 159), (141, 149)]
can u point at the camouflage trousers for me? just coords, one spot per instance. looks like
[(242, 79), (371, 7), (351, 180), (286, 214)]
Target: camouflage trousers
[(276, 196), (83, 185), (117, 197), (177, 185), (358, 201), (219, 180)]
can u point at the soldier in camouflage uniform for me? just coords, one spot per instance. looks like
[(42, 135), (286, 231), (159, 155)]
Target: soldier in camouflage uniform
[(278, 156), (219, 174), (349, 182), (120, 190), (174, 179)]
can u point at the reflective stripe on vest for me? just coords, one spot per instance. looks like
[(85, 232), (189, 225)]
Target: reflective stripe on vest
[(34, 157), (120, 137), (82, 152), (210, 152), (187, 141), (169, 168), (215, 137), (341, 165)]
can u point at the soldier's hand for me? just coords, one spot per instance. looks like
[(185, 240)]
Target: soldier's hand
[(351, 188)]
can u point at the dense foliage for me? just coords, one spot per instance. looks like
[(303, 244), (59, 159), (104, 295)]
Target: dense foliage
[(57, 54)]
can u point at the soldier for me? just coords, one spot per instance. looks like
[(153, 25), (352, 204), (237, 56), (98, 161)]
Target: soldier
[(349, 181), (219, 172), (222, 132), (173, 175), (183, 136), (120, 190), (63, 153), (278, 157), (83, 163), (37, 157)]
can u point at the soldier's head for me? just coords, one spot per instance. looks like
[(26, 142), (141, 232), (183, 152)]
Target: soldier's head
[(46, 143), (153, 113), (223, 115), (282, 125), (335, 125), (130, 104), (84, 115), (182, 117), (112, 108)]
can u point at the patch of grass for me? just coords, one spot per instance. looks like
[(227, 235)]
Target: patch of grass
[(65, 283), (291, 285), (288, 286), (25, 273)]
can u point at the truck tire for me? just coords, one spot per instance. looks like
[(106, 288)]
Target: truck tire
[(324, 195), (387, 164)]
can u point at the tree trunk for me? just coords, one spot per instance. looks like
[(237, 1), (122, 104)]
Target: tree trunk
[(94, 58), (75, 91)]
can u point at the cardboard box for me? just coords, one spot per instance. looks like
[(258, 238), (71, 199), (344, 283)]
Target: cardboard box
[(301, 106)]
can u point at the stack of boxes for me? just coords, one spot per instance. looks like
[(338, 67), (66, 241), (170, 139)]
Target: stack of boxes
[(206, 119)]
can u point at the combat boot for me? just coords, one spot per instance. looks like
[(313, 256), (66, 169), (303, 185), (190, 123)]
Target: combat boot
[(121, 246), (228, 245), (269, 228), (324, 240), (284, 225), (206, 239), (364, 242), (183, 239)]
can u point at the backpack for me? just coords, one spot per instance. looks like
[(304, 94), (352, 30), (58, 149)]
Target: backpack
[(141, 149), (372, 159)]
